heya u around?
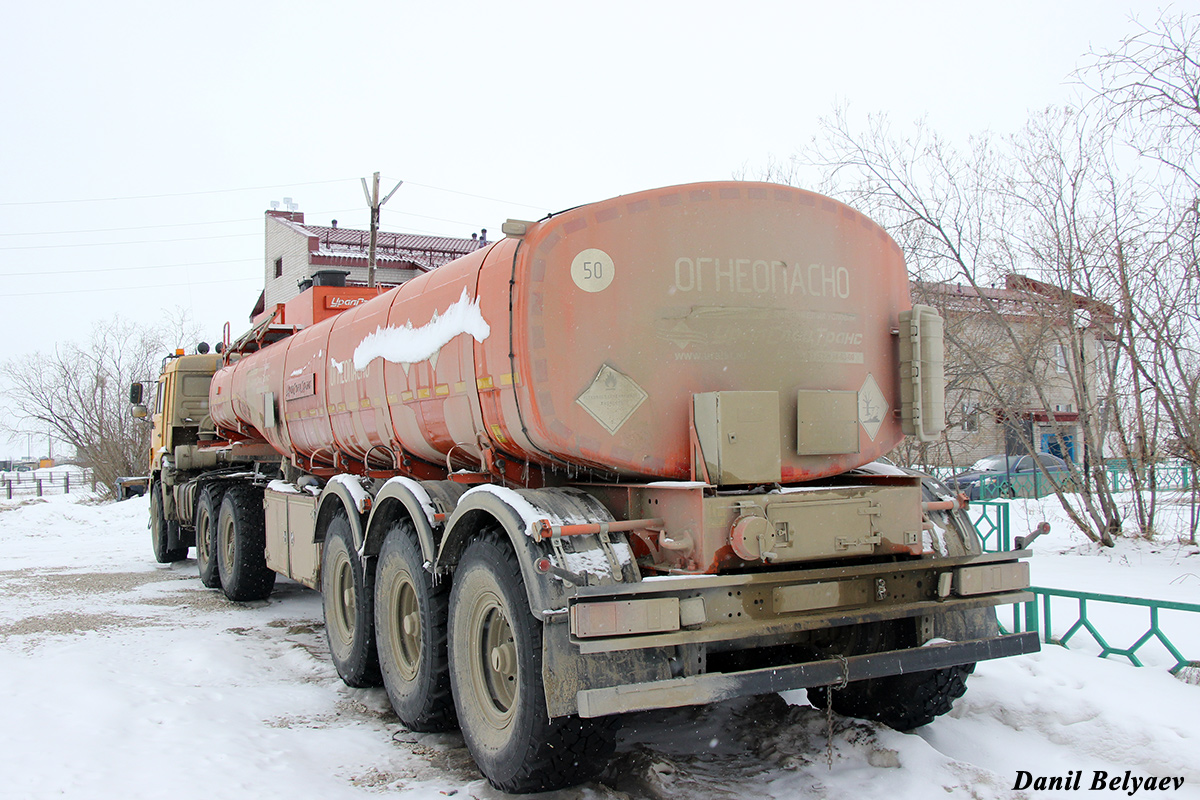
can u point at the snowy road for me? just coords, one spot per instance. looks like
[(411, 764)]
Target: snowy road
[(121, 678)]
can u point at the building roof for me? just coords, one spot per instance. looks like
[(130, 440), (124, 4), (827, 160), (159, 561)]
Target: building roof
[(1020, 297), (333, 246)]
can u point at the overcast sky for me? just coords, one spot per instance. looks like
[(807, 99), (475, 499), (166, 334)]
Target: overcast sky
[(142, 141)]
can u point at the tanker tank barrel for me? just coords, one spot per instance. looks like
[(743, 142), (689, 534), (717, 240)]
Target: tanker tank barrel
[(772, 328)]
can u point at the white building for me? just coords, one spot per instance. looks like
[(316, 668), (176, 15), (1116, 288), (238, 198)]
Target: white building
[(295, 251)]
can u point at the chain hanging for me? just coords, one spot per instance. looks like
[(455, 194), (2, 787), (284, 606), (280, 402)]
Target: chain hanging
[(829, 690)]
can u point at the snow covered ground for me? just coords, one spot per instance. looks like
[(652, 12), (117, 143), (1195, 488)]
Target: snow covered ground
[(122, 678)]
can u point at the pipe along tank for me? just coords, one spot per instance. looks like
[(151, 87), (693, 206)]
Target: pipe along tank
[(619, 460)]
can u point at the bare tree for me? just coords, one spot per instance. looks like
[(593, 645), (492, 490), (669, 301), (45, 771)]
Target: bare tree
[(1098, 205), (1150, 83), (80, 393), (971, 217), (1149, 86)]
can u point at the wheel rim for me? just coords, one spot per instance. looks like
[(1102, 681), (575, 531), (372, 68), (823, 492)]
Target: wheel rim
[(493, 657), (156, 520), (405, 627), (343, 598), (226, 543), (203, 523)]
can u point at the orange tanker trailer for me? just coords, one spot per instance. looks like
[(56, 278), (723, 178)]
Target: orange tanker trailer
[(622, 459)]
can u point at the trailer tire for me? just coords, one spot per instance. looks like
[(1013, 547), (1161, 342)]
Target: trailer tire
[(241, 546), (496, 671), (902, 702), (208, 510), (410, 630), (348, 599), (161, 530), (907, 701)]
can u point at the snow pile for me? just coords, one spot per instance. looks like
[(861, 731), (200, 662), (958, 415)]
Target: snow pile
[(353, 485), (530, 514), (422, 496), (408, 345), (579, 556), (1165, 568)]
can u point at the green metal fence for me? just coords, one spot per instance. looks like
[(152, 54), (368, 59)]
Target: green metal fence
[(991, 523), (1024, 484), (941, 473), (1035, 615), (991, 520), (1168, 475)]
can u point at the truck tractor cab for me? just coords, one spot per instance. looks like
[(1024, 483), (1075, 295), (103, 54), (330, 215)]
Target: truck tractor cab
[(179, 416)]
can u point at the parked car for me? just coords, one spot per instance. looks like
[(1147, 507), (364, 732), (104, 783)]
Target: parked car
[(999, 467)]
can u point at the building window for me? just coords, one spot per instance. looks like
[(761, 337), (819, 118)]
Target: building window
[(971, 420), (970, 415), (279, 267), (1060, 358)]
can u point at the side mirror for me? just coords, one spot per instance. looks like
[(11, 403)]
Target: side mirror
[(135, 396), (139, 412)]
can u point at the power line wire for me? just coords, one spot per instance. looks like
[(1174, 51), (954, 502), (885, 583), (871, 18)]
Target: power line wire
[(476, 196), (142, 241), (133, 288), (167, 225), (131, 228), (249, 189), (102, 270), (437, 219), (172, 194)]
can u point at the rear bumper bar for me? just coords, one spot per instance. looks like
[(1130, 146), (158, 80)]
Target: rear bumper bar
[(714, 687)]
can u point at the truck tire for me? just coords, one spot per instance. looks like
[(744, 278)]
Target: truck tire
[(208, 509), (163, 530), (496, 671), (410, 630), (241, 546), (902, 702), (908, 701), (348, 598)]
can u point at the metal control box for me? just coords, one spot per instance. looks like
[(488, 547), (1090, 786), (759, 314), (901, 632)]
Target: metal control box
[(739, 436), (826, 422)]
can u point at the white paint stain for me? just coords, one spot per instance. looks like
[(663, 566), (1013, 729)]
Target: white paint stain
[(409, 345)]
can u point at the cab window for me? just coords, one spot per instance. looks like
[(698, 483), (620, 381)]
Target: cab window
[(195, 385)]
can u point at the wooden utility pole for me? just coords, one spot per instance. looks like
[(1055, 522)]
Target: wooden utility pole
[(375, 204)]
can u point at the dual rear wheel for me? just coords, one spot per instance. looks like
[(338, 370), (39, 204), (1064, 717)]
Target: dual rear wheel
[(164, 532), (410, 626), (472, 653), (496, 670), (208, 510), (241, 546), (347, 593)]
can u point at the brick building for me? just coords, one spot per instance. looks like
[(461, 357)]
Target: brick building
[(992, 404), (296, 251)]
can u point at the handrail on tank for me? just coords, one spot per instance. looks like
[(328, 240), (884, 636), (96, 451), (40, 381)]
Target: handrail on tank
[(456, 446), (312, 459), (367, 457)]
